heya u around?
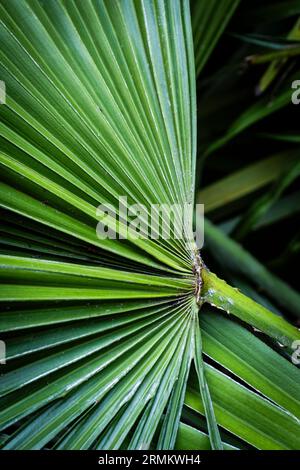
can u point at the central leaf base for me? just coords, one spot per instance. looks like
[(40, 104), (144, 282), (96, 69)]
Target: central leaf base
[(197, 268)]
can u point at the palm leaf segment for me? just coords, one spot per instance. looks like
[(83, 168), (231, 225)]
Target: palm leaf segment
[(101, 334)]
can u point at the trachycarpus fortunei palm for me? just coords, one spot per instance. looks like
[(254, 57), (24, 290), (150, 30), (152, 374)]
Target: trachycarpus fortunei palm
[(100, 103)]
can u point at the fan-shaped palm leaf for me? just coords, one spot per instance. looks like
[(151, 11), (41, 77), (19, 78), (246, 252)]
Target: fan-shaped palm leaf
[(101, 333)]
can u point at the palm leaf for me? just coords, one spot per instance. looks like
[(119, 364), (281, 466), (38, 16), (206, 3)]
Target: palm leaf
[(101, 334), (209, 19)]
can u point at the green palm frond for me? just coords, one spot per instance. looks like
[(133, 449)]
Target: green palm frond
[(108, 342)]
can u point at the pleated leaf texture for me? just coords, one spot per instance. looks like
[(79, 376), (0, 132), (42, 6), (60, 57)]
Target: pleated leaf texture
[(103, 341)]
